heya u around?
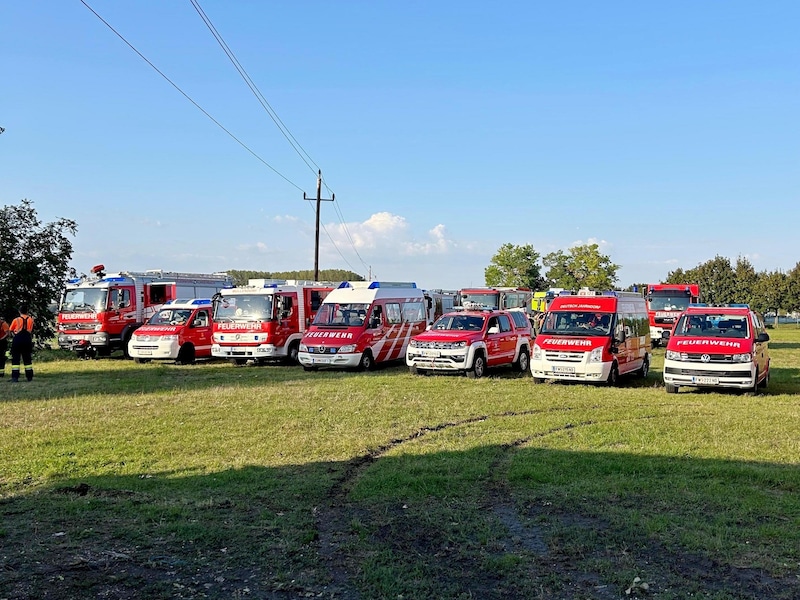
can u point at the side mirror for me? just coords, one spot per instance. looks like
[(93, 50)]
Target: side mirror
[(762, 337), (665, 335)]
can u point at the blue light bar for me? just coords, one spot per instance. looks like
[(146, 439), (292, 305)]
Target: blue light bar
[(113, 279)]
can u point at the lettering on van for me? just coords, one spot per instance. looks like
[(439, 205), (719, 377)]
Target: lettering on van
[(235, 326), (580, 306), (344, 335), (563, 342), (720, 343)]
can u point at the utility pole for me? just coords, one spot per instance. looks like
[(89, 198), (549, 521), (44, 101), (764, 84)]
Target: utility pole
[(316, 241)]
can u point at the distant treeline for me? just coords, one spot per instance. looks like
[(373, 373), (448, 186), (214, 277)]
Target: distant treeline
[(332, 275)]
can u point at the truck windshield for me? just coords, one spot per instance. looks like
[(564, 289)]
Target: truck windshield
[(673, 302), (243, 307), (577, 323), (171, 316), (85, 300), (712, 325), (342, 315), (480, 300), (458, 323)]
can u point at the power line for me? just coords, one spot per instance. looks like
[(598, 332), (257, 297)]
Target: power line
[(185, 95)]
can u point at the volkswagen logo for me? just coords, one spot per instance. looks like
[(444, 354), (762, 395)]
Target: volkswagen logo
[(705, 358)]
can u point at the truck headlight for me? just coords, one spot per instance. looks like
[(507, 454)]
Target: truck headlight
[(596, 355), (537, 352), (302, 347), (348, 348), (743, 358), (672, 355)]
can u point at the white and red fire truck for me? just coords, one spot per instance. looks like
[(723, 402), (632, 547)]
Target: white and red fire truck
[(265, 319), (665, 303), (364, 323), (99, 313)]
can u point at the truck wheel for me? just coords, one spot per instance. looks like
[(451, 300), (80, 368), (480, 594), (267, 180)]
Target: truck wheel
[(478, 367), (613, 376), (523, 364), (367, 363), (141, 361), (753, 391), (671, 389), (291, 353), (645, 368), (185, 355), (765, 382)]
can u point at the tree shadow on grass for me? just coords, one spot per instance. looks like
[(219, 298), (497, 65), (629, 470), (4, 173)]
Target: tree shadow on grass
[(495, 522)]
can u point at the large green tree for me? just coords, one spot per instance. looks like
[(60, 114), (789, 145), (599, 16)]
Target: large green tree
[(514, 266), (770, 292), (34, 259), (581, 266)]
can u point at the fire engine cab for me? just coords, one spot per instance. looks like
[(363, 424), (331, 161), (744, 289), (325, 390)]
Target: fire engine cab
[(265, 319), (100, 312), (181, 331), (665, 303)]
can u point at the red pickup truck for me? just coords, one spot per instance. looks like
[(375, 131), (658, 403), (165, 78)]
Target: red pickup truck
[(470, 341)]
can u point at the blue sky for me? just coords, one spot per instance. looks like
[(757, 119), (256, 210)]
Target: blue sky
[(667, 133)]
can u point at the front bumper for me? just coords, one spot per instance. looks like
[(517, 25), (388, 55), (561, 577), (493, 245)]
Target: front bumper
[(264, 351), (681, 374), (344, 360)]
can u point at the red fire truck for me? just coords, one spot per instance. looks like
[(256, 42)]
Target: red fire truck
[(99, 313), (665, 303), (265, 319)]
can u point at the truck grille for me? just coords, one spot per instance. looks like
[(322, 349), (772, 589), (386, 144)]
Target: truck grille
[(559, 355)]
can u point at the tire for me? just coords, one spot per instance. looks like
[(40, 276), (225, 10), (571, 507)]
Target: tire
[(238, 361), (671, 389), (613, 376), (753, 391), (763, 385), (367, 363), (538, 380), (141, 361), (415, 371), (523, 363), (185, 355), (478, 367), (645, 368), (292, 352)]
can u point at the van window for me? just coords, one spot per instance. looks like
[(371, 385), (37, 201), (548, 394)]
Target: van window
[(393, 314), (413, 312)]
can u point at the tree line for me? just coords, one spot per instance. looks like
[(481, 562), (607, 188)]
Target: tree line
[(721, 282)]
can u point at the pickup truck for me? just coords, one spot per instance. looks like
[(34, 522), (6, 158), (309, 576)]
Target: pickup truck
[(470, 341)]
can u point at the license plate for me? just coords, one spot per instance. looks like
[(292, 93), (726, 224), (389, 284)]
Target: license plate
[(563, 369), (321, 361), (706, 380), (146, 352), (431, 353)]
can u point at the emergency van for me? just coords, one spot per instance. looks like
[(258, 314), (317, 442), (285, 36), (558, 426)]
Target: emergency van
[(665, 303), (718, 347), (592, 337), (181, 330), (99, 313), (364, 323), (265, 319)]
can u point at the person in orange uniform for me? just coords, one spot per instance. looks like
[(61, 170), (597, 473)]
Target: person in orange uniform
[(4, 337), (22, 344)]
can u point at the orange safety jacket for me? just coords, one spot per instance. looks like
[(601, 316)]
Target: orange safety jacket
[(4, 330), (21, 323)]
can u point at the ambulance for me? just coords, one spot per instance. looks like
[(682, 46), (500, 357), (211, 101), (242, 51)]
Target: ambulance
[(592, 337), (265, 319), (364, 323), (181, 331)]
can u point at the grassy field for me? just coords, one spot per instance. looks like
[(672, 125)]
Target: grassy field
[(122, 481)]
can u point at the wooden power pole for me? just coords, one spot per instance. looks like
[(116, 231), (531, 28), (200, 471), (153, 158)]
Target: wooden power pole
[(316, 240)]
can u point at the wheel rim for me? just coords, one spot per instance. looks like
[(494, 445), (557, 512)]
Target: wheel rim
[(479, 366), (523, 362)]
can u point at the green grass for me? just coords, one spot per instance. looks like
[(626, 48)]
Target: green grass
[(212, 481)]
